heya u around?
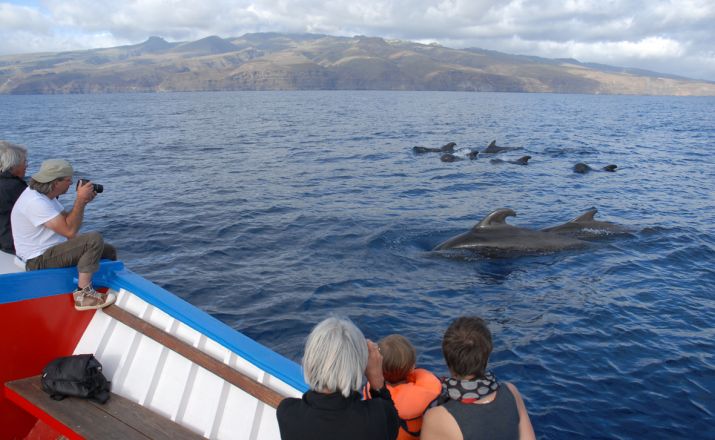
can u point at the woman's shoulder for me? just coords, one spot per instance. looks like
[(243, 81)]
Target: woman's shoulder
[(288, 404), (512, 388)]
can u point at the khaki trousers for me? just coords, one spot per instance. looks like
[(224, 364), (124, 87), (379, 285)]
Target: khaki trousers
[(83, 251)]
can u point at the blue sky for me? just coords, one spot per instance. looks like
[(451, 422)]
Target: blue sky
[(670, 36)]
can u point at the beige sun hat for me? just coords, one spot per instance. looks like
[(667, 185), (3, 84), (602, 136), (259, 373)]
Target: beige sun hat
[(52, 169)]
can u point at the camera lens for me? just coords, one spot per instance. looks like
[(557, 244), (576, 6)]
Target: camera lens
[(98, 188)]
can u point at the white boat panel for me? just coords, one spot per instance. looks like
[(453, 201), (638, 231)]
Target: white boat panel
[(133, 304), (187, 334), (202, 405), (161, 319), (170, 387), (282, 387), (94, 334), (135, 379), (239, 413), (248, 368), (114, 351), (216, 350), (268, 425)]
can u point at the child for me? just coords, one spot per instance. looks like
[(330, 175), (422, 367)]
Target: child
[(412, 389)]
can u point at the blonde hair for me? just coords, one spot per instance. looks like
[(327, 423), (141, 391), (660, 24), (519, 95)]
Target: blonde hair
[(398, 357)]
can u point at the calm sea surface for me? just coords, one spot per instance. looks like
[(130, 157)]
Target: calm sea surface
[(273, 210)]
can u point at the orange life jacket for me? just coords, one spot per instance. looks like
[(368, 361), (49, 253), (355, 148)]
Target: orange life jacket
[(411, 400)]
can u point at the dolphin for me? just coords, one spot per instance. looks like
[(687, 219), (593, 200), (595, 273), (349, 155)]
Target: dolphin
[(492, 148), (523, 160), (446, 148), (451, 157), (582, 168), (585, 226), (494, 237)]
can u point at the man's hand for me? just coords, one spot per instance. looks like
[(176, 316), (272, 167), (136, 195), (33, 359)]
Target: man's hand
[(85, 192)]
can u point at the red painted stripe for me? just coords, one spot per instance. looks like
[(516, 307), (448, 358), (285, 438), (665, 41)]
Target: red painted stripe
[(40, 414)]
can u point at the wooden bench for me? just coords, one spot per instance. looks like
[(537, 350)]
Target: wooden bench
[(77, 418)]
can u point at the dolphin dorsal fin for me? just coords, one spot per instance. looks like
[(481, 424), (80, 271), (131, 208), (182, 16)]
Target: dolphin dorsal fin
[(586, 216), (493, 144), (497, 217)]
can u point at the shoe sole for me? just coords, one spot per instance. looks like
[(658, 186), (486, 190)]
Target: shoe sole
[(110, 300)]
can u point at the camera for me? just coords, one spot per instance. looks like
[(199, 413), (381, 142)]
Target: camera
[(97, 187)]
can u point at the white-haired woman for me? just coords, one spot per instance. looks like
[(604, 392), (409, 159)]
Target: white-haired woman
[(13, 164), (336, 357)]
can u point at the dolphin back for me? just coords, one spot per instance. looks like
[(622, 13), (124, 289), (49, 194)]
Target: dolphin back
[(585, 226), (492, 147)]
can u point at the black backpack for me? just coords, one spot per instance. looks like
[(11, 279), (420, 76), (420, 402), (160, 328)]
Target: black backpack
[(78, 376)]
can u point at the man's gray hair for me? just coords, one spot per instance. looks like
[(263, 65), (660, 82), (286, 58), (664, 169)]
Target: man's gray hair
[(335, 357), (42, 188), (11, 155)]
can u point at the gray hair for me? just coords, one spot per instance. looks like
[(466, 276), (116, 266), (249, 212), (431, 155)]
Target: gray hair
[(11, 155), (335, 357), (42, 188)]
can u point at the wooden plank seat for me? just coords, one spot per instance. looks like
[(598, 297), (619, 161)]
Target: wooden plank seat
[(77, 418)]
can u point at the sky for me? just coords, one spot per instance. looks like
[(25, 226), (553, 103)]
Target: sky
[(669, 36)]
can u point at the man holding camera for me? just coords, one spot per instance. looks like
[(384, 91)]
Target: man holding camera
[(46, 236)]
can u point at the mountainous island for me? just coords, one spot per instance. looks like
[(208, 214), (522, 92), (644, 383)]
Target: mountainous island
[(271, 61)]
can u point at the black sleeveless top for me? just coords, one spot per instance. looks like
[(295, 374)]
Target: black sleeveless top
[(496, 420)]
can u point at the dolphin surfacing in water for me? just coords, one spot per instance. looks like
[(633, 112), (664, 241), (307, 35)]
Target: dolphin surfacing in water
[(585, 226), (446, 148), (582, 168), (493, 148), (494, 237), (457, 156), (523, 160)]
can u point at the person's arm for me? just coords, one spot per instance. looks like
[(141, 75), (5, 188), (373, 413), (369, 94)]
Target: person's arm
[(68, 224), (373, 371), (378, 390), (438, 424), (526, 431)]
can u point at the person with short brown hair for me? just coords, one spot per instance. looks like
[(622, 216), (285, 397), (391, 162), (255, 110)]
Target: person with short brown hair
[(473, 405)]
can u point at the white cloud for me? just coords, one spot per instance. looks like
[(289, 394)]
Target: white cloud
[(674, 34), (14, 18)]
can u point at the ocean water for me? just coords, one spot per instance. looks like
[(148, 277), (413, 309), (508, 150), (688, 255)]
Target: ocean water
[(274, 210)]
